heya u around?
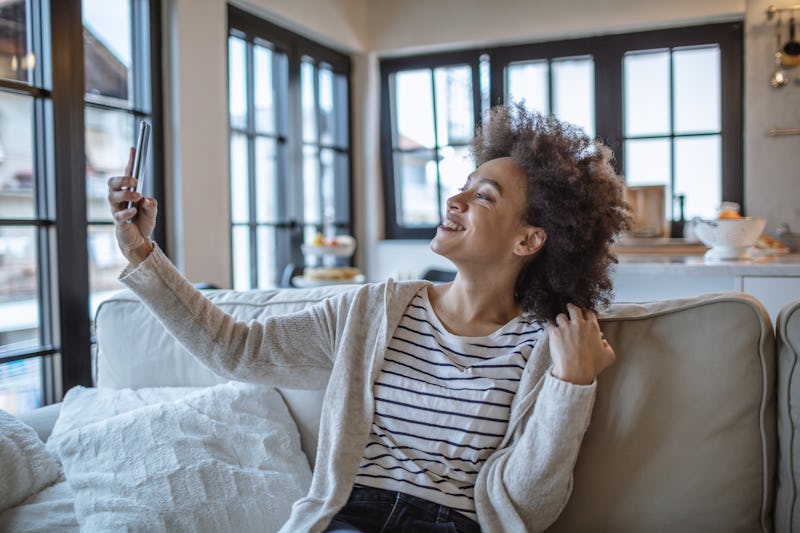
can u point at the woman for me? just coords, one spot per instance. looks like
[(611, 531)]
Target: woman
[(453, 407)]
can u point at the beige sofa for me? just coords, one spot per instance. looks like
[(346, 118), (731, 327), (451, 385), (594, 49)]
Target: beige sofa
[(684, 436)]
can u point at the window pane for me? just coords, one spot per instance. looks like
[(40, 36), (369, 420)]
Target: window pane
[(17, 184), (21, 385), (16, 59), (454, 167), (573, 92), (327, 125), (240, 170), (266, 257), (241, 258), (105, 263), (528, 81), (416, 189), (697, 89), (342, 186), (698, 174), (109, 137), (107, 48), (339, 113), (328, 185), (308, 98), (647, 107), (312, 201), (266, 181), (413, 110), (264, 93), (454, 112), (483, 70), (19, 288), (647, 162), (237, 82)]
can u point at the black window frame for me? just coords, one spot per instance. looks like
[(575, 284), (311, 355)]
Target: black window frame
[(608, 52), (289, 224), (61, 221)]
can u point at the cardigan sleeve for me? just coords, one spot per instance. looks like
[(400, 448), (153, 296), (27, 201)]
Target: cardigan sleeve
[(293, 350), (528, 483)]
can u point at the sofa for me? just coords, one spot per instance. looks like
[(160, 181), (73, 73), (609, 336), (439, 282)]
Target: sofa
[(694, 428)]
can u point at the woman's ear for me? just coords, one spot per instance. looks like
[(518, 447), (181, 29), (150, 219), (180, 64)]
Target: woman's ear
[(532, 241)]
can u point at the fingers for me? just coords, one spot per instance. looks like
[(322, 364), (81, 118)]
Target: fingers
[(123, 215), (120, 192), (576, 314), (129, 166), (121, 182)]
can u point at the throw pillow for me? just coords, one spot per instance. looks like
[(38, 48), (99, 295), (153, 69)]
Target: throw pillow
[(226, 458), (26, 467)]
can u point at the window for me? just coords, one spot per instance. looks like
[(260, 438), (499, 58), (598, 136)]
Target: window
[(434, 113), (66, 90), (289, 147), (118, 96), (668, 102)]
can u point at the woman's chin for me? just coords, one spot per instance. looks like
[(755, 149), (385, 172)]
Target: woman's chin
[(437, 246)]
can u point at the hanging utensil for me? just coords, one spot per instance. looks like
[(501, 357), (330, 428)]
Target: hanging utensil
[(790, 53), (778, 78)]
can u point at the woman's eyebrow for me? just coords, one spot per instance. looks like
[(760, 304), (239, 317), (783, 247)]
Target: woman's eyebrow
[(487, 181)]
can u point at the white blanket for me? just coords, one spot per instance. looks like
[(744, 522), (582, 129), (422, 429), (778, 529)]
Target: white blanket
[(225, 458)]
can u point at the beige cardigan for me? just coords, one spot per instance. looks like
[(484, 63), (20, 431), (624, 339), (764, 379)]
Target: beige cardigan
[(340, 343)]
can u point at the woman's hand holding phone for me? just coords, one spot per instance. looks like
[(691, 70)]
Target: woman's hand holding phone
[(133, 225)]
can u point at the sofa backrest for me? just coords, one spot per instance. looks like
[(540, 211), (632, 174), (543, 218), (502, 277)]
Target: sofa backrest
[(682, 437), (683, 433), (787, 504), (135, 351)]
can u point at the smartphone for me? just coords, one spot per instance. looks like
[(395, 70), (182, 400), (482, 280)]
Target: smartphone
[(140, 156)]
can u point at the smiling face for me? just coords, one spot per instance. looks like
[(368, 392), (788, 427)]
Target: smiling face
[(484, 222)]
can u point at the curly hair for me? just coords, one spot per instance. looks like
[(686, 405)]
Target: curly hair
[(574, 194)]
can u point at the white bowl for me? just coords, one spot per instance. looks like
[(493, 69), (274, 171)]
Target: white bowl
[(728, 238)]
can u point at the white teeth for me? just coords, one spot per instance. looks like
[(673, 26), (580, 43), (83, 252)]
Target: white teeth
[(452, 225)]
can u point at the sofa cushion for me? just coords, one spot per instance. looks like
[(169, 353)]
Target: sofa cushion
[(683, 436), (131, 342), (787, 505), (126, 356), (224, 458)]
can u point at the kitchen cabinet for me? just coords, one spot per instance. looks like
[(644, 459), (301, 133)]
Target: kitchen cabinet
[(775, 281)]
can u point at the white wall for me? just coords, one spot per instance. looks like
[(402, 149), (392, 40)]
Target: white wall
[(422, 24), (371, 28), (196, 130), (771, 164)]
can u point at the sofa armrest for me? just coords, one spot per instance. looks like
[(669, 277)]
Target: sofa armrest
[(42, 419), (787, 504)]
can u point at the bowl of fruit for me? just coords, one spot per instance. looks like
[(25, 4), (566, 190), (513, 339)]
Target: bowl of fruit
[(339, 246), (730, 236)]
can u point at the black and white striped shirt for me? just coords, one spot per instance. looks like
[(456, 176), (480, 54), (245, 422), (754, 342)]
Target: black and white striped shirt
[(442, 404)]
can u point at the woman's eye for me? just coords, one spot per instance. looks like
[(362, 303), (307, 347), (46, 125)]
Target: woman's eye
[(480, 196)]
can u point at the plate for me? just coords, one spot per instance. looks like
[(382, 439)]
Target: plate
[(303, 282), (768, 252), (343, 250)]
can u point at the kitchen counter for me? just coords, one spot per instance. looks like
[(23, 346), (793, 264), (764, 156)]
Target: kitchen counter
[(774, 280), (696, 265)]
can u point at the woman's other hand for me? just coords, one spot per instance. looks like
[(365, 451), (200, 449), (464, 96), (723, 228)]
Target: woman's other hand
[(577, 346), (133, 238)]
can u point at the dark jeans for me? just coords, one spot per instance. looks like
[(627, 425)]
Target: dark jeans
[(382, 511)]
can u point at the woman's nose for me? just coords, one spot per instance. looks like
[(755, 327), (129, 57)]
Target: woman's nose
[(456, 202)]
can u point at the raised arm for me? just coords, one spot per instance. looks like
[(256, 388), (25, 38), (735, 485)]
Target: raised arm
[(295, 350)]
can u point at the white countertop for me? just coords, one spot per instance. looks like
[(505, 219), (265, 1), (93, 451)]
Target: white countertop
[(696, 265)]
